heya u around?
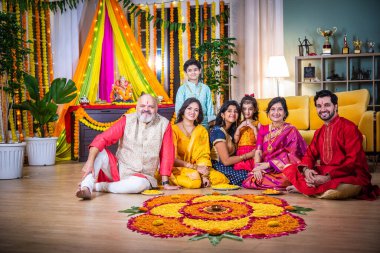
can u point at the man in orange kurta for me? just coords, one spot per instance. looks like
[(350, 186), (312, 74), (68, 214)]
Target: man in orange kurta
[(335, 165)]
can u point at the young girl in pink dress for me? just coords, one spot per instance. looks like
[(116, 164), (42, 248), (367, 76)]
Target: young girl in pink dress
[(245, 135)]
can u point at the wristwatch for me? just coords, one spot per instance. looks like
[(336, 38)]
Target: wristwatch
[(165, 182)]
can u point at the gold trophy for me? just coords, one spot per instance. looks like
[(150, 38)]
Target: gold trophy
[(345, 49), (357, 45), (326, 50)]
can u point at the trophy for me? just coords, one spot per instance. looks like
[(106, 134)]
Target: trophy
[(326, 50), (345, 49), (371, 46), (357, 45)]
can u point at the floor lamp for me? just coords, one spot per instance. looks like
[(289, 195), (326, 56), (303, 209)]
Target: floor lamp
[(277, 68)]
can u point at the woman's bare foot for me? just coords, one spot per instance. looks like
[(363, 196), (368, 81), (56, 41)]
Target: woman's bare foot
[(292, 189), (84, 193)]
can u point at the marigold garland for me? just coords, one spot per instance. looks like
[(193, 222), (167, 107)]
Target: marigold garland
[(139, 29), (49, 53), (180, 46), (242, 215), (25, 67), (163, 45), (197, 27), (171, 54), (205, 34), (147, 35), (18, 94), (213, 26), (154, 38), (188, 19), (82, 116), (38, 49), (133, 23)]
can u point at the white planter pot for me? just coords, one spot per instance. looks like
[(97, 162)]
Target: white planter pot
[(41, 151), (11, 160)]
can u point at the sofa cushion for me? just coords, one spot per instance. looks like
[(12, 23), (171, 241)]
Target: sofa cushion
[(351, 105), (298, 107)]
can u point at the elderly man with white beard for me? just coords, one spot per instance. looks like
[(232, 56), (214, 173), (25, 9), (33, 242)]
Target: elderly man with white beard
[(145, 144)]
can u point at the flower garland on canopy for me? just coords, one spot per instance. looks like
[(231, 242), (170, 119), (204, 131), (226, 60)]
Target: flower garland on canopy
[(25, 113), (32, 66), (202, 216), (171, 54)]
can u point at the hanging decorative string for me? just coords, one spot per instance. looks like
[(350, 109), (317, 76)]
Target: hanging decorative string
[(221, 23), (154, 39), (133, 23), (25, 113), (188, 20), (32, 66), (197, 27), (163, 45), (38, 50), (213, 26), (18, 93), (180, 46), (205, 35), (49, 53), (171, 54), (139, 29), (147, 35)]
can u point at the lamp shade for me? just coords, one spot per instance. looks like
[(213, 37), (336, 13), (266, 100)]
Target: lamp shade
[(277, 67)]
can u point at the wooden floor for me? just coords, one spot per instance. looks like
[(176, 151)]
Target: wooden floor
[(39, 213)]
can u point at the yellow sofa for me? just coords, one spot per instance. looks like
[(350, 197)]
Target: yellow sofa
[(352, 105)]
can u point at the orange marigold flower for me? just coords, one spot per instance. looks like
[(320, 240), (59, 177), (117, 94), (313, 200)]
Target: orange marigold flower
[(157, 222), (290, 208), (215, 193), (273, 223), (215, 232), (175, 197), (143, 209)]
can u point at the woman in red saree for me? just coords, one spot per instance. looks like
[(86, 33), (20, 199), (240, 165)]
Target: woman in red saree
[(278, 144)]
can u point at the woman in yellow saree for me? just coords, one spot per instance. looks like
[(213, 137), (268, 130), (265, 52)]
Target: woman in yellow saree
[(192, 166)]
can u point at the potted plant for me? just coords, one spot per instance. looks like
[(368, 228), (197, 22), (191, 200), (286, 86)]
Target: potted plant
[(41, 150), (12, 56), (216, 69)]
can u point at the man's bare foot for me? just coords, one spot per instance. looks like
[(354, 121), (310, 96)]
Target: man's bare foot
[(84, 193), (292, 189)]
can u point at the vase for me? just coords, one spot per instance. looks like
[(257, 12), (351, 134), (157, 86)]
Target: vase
[(11, 160), (41, 151)]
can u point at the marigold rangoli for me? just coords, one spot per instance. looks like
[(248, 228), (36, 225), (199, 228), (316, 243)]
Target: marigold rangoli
[(246, 216)]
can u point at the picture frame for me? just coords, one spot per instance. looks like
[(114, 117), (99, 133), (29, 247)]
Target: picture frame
[(309, 72)]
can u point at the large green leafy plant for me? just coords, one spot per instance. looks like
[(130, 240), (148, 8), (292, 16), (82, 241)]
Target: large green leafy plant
[(44, 110), (12, 56), (219, 51)]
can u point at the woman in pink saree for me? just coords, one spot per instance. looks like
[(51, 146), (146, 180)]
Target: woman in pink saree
[(278, 144)]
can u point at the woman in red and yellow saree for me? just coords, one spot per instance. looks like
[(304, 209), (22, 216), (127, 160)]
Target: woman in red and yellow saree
[(278, 144), (192, 165)]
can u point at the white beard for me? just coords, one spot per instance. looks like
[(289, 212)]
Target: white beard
[(145, 117)]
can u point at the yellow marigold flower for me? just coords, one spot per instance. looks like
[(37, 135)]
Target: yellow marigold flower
[(290, 208), (157, 222), (175, 197), (143, 209), (215, 232), (258, 197), (273, 223)]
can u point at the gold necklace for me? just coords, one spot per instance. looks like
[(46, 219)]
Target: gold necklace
[(271, 138), (186, 132)]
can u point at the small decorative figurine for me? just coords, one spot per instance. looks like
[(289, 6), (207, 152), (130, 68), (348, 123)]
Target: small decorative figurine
[(121, 91), (371, 46)]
